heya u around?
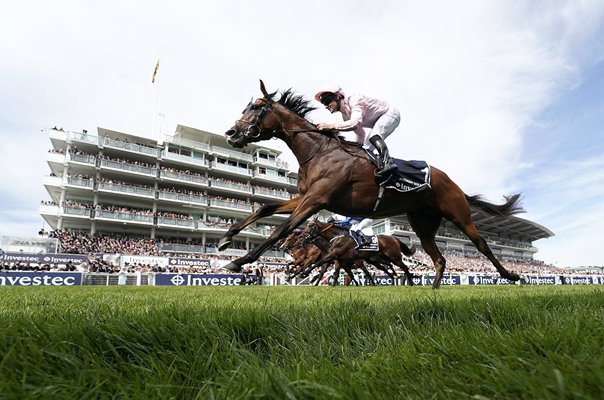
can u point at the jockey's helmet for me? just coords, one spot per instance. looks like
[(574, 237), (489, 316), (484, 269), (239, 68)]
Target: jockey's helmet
[(329, 90)]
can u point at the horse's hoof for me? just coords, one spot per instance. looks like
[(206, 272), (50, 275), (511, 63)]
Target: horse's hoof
[(233, 267), (513, 277), (224, 243)]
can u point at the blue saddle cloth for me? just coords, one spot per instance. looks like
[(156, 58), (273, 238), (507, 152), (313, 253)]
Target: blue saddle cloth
[(411, 176)]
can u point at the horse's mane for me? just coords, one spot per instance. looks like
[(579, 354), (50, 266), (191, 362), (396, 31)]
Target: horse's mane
[(301, 106), (296, 103)]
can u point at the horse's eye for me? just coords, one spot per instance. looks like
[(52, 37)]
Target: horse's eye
[(254, 107)]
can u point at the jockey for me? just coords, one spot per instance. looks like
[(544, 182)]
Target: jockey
[(358, 112), (355, 225)]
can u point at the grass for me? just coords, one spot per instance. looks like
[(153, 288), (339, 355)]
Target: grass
[(519, 342)]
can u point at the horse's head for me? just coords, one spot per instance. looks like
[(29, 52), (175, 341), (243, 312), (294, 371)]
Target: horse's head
[(308, 234), (258, 122)]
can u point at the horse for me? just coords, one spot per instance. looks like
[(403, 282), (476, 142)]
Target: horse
[(306, 254), (339, 176), (339, 245)]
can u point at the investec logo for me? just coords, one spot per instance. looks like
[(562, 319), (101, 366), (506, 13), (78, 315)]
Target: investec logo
[(44, 280), (541, 280), (484, 280), (207, 280), (177, 280)]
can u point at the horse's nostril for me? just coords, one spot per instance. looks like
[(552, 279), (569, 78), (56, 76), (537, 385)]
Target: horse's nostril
[(230, 132)]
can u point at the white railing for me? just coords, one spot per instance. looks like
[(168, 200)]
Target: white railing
[(231, 168), (151, 151), (128, 189), (179, 176), (232, 154), (231, 186)]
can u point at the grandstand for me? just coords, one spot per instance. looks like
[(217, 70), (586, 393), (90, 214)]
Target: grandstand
[(183, 193)]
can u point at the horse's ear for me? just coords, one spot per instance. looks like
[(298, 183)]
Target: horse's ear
[(263, 89)]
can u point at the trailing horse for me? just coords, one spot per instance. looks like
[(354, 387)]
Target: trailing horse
[(339, 245), (339, 176)]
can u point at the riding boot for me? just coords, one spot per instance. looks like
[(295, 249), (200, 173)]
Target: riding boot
[(385, 163), (364, 240)]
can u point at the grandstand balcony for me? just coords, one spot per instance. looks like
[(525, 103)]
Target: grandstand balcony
[(192, 144), (272, 193), (81, 159), (55, 158), (230, 205), (52, 181), (183, 198), (270, 175), (130, 190), (181, 177), (51, 210), (177, 223), (130, 168), (82, 138), (184, 159), (77, 212), (124, 217), (232, 169), (181, 248), (78, 182), (129, 147), (212, 227), (230, 186), (232, 154)]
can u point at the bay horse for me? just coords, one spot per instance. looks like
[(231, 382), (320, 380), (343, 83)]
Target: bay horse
[(306, 254), (339, 176), (339, 245)]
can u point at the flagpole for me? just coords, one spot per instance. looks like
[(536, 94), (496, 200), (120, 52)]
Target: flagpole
[(156, 113)]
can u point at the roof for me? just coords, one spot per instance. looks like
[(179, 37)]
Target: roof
[(509, 227)]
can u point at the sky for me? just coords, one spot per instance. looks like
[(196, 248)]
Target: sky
[(504, 96)]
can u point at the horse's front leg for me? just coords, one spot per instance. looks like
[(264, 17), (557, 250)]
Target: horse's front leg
[(304, 210), (282, 207)]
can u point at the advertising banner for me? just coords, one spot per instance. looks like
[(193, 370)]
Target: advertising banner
[(202, 280), (488, 280), (580, 280), (46, 258), (40, 278), (540, 280), (188, 262), (446, 280)]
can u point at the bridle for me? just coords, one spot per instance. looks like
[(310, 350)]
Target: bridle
[(312, 235), (254, 130)]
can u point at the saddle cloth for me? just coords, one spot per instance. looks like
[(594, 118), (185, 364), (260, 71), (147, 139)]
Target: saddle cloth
[(411, 176), (373, 244)]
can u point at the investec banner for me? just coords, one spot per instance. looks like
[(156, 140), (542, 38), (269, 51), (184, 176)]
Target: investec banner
[(446, 280), (188, 262), (582, 280), (40, 278), (48, 258), (198, 280), (488, 280)]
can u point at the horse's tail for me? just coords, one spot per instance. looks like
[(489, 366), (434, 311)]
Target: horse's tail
[(406, 250), (510, 207)]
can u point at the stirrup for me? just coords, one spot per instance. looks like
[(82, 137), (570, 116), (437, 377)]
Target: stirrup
[(386, 170)]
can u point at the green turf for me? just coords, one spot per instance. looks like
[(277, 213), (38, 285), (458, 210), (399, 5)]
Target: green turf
[(507, 342)]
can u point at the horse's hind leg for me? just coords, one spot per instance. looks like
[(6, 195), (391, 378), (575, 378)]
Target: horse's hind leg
[(425, 224)]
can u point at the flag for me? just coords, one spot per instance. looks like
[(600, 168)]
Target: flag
[(155, 72)]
